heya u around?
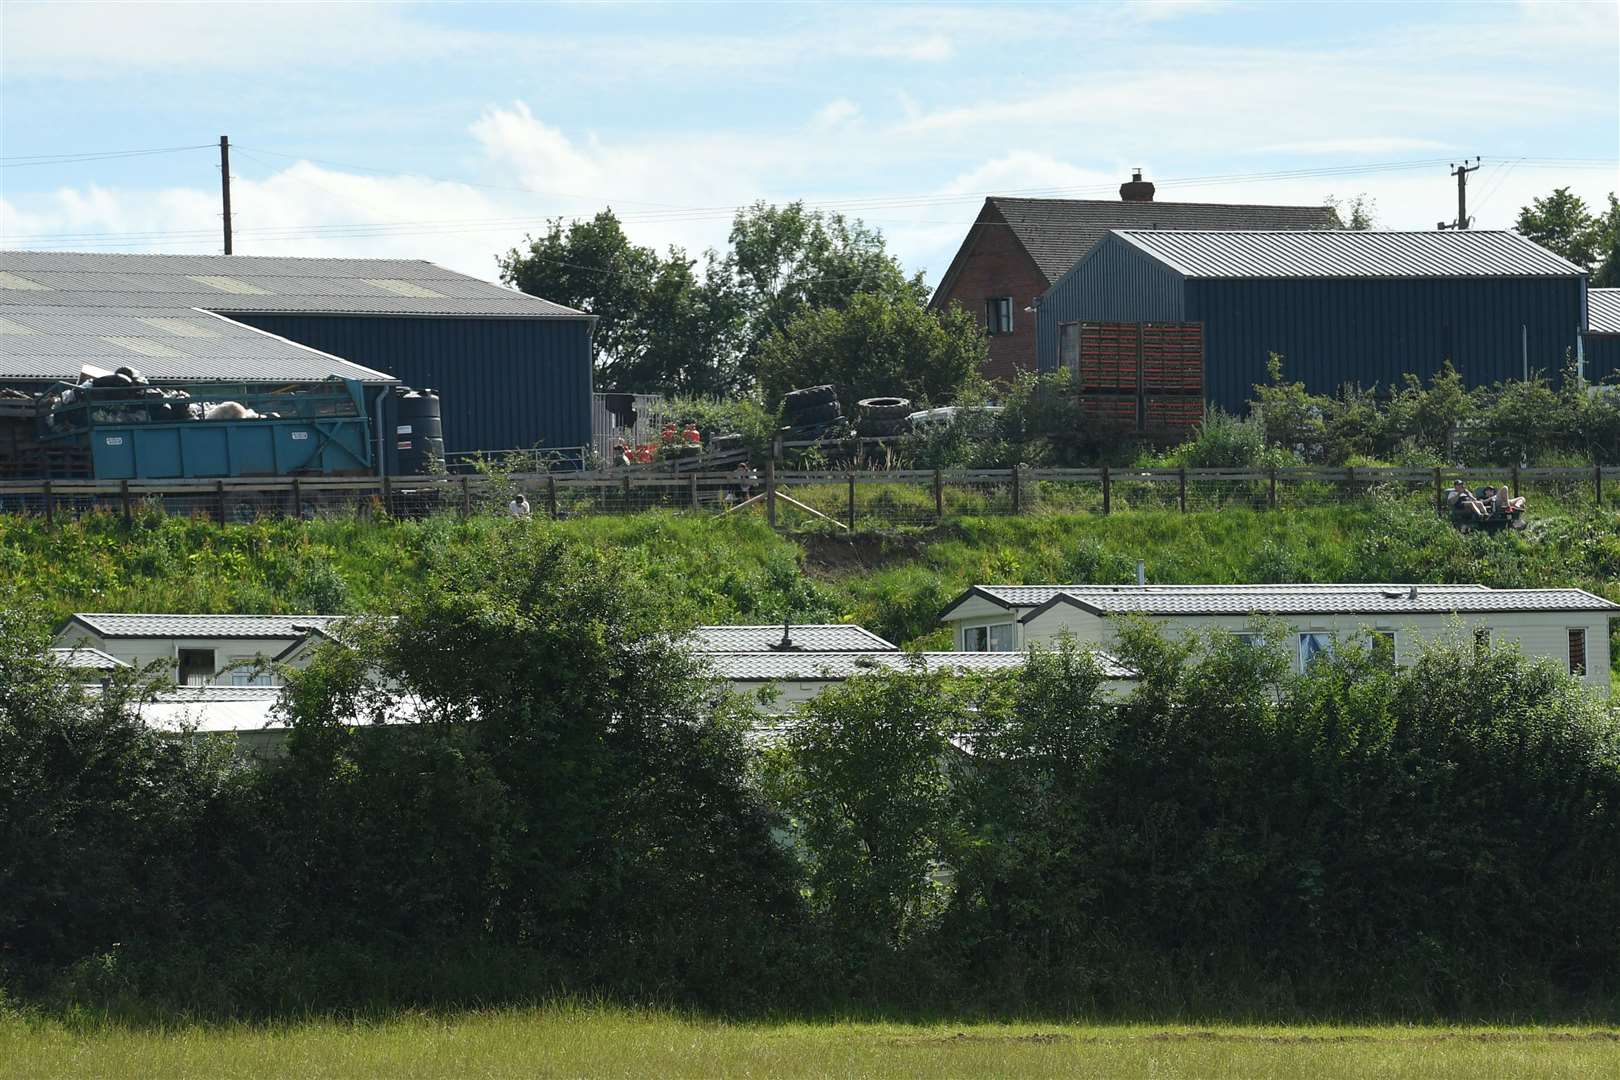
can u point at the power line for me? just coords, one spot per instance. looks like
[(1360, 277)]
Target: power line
[(28, 160)]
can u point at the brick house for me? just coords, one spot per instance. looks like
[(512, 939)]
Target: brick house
[(1017, 248)]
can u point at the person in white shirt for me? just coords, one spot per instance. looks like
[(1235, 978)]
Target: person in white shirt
[(519, 506)]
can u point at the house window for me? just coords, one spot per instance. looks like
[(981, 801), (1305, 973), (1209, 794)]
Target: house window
[(249, 677), (997, 638), (1312, 646), (196, 667), (1069, 347), (1577, 650), (1383, 647), (998, 315)]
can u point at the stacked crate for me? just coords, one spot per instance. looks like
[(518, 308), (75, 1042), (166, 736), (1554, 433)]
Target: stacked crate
[(1146, 377)]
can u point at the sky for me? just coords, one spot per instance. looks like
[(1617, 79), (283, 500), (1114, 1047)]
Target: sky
[(450, 131)]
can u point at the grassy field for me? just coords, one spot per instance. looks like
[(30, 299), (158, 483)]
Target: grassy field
[(585, 1042)]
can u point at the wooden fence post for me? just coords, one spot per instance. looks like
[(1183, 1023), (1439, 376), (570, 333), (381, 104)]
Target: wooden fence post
[(851, 502), (1017, 492), (123, 497), (1516, 490), (692, 488), (1271, 493), (297, 500), (1181, 488), (1439, 492), (770, 491), (627, 491), (551, 494), (466, 498), (219, 500), (388, 495), (939, 495), (1349, 481), (1597, 485), (1107, 491), (50, 503)]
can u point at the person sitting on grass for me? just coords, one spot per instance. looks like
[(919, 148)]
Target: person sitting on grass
[(1463, 503), (519, 506)]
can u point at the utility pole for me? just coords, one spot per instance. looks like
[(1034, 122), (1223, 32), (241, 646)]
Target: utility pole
[(1461, 173), (225, 185)]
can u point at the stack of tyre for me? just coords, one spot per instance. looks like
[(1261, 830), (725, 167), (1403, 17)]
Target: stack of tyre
[(883, 417), (811, 412)]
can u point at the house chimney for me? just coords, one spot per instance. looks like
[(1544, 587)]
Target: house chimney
[(1137, 189)]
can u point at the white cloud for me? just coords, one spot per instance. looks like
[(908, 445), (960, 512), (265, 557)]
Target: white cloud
[(835, 114)]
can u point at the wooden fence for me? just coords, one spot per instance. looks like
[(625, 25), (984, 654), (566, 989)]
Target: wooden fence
[(833, 497)]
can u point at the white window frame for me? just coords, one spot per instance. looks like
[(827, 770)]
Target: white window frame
[(180, 675), (1071, 363), (1326, 647), (982, 638), (251, 677), (1586, 650), (1002, 324)]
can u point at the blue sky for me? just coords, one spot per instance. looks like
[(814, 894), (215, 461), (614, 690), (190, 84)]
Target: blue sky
[(447, 131)]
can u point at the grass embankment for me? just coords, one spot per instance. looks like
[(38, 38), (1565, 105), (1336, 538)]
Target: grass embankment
[(737, 569), (571, 1041)]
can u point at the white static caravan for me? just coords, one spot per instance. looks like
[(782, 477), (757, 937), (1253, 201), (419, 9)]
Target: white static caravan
[(795, 678), (200, 650), (1568, 626)]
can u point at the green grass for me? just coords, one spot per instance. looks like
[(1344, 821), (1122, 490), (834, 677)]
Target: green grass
[(565, 1041), (738, 569)]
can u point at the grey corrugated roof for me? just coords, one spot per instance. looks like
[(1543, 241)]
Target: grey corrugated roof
[(86, 659), (166, 344), (832, 667), (1336, 599), (1603, 311), (124, 625), (117, 281), (815, 638), (1057, 233), (1348, 254)]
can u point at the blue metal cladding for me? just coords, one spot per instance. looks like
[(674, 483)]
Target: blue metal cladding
[(504, 383), (1331, 332), (1602, 357), (1113, 283)]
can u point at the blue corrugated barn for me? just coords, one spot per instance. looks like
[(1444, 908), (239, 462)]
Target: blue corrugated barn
[(513, 371), (1341, 307), (1601, 342)]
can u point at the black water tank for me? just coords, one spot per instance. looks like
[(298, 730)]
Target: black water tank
[(416, 434)]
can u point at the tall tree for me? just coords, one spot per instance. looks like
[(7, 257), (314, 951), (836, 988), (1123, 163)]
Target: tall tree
[(1561, 222), (1607, 273), (661, 326), (786, 259), (1357, 212)]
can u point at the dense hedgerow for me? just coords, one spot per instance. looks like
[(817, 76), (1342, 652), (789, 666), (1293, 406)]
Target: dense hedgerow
[(523, 785)]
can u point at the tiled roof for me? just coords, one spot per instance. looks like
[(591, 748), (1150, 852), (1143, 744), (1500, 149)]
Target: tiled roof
[(165, 343), (832, 667), (1058, 233), (813, 638), (1345, 253), (1603, 311), (121, 625), (86, 659), (1382, 599), (227, 283)]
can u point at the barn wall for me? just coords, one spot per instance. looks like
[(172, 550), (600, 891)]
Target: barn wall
[(504, 383)]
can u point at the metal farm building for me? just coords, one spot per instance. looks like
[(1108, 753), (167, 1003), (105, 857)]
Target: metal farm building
[(513, 371), (1341, 307)]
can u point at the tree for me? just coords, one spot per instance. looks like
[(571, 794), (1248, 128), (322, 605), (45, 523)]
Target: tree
[(1561, 222), (661, 326), (879, 344), (1607, 274), (786, 259), (1358, 212)]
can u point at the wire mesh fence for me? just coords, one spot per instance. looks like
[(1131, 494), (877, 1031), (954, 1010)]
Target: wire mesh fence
[(825, 497)]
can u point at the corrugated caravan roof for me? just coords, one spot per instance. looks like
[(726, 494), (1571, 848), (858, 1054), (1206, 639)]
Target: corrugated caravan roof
[(1380, 599), (1057, 233), (227, 283), (1603, 311), (86, 659), (1348, 254), (123, 625), (814, 638), (166, 344), (832, 667)]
